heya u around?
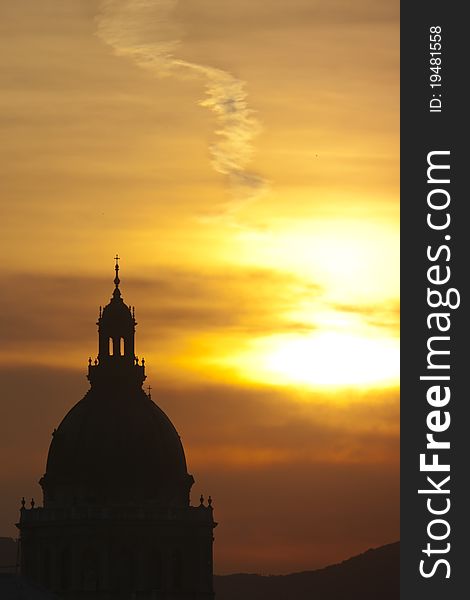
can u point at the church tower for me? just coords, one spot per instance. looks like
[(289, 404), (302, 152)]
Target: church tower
[(116, 520)]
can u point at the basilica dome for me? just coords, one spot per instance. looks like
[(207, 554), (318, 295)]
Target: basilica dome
[(116, 445)]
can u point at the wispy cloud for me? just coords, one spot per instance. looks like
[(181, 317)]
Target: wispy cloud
[(145, 32)]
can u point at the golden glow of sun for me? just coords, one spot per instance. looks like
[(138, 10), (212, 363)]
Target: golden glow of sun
[(351, 260), (350, 318), (331, 358), (325, 358)]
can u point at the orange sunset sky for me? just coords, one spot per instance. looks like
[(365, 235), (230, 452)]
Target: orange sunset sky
[(242, 159)]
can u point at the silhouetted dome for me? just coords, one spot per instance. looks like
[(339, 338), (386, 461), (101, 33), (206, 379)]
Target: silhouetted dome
[(117, 445), (117, 310)]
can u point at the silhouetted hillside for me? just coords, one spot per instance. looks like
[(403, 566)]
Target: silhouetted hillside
[(373, 575)]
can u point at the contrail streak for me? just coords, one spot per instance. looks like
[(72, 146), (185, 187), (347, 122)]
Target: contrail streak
[(143, 30)]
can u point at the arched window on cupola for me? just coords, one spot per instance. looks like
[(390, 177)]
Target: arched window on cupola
[(111, 346), (121, 347)]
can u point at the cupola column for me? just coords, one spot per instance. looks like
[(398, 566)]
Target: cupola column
[(116, 329)]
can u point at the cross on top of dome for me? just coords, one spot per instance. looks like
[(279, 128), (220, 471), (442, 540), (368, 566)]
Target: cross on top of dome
[(117, 281)]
